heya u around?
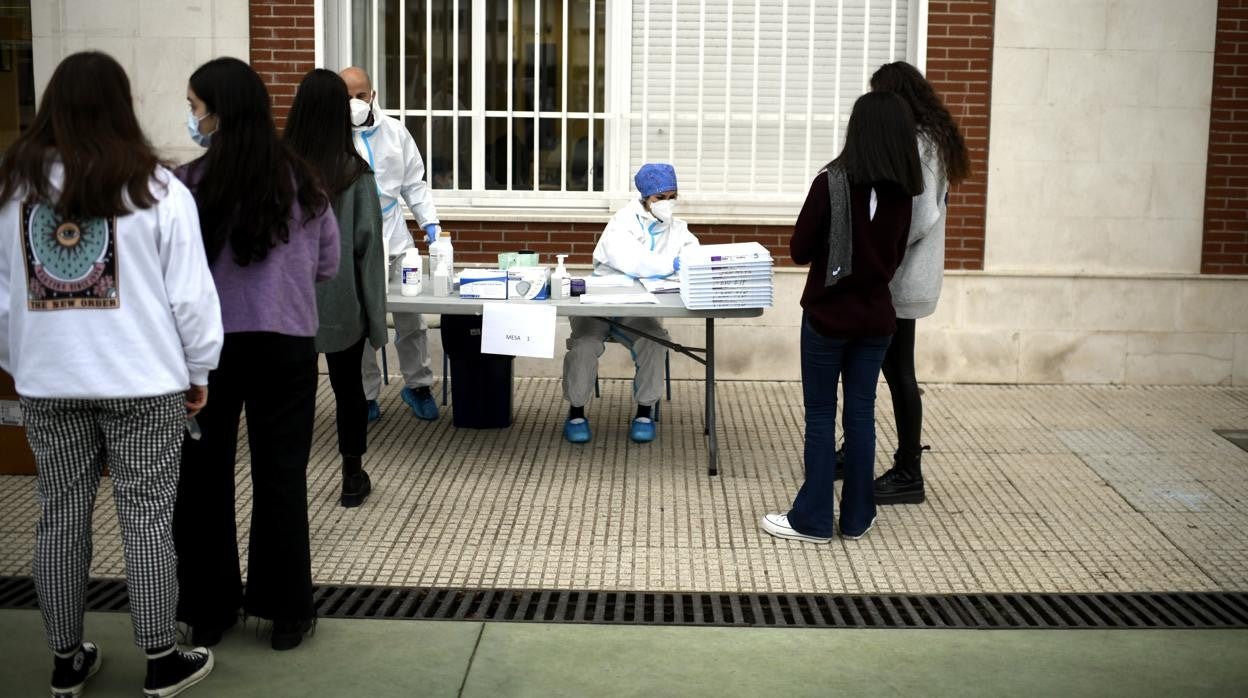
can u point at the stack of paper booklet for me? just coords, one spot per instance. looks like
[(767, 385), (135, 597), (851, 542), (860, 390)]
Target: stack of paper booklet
[(726, 276)]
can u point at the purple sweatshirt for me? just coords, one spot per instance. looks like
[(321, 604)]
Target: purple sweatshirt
[(277, 294)]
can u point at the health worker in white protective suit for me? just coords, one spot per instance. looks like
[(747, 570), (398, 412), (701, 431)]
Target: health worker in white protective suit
[(643, 240), (391, 151)]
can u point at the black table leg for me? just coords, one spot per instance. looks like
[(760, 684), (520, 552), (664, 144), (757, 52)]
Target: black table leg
[(712, 440)]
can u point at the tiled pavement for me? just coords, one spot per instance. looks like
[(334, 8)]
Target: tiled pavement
[(1030, 488)]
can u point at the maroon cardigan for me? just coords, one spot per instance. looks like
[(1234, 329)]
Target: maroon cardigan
[(860, 304)]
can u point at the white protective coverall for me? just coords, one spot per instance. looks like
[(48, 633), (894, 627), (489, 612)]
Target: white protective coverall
[(400, 173), (639, 245)]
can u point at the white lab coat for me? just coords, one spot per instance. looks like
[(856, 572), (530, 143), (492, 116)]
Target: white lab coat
[(400, 173), (633, 244)]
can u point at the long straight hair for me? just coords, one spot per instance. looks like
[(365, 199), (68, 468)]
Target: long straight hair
[(318, 129), (880, 144), (250, 180), (930, 115), (86, 118)]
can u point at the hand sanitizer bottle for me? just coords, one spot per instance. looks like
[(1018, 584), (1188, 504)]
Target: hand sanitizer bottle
[(560, 282)]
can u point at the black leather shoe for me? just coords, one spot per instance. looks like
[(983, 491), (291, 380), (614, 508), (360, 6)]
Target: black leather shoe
[(900, 485), (287, 634), (207, 635), (840, 464), (355, 489)]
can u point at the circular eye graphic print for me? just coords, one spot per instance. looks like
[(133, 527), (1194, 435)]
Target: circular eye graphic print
[(68, 251)]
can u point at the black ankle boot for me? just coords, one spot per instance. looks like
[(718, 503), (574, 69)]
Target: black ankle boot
[(903, 483), (840, 464), (355, 483)]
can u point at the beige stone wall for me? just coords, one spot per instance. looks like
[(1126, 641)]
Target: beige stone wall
[(158, 42), (1100, 127)]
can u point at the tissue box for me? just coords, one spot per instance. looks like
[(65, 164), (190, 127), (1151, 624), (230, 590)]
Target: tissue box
[(528, 283), (488, 284)]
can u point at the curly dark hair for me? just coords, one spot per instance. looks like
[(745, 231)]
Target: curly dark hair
[(930, 115)]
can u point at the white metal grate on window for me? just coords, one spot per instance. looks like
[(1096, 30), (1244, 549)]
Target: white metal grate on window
[(555, 103)]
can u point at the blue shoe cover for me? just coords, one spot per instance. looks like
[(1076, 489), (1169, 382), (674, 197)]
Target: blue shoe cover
[(642, 430), (374, 411), (576, 431), (423, 405)]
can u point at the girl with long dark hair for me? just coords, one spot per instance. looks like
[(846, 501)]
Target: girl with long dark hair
[(852, 231), (270, 237), (109, 323), (916, 286), (352, 306)]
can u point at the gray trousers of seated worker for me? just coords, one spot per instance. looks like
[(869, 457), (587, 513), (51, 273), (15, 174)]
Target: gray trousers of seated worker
[(589, 336)]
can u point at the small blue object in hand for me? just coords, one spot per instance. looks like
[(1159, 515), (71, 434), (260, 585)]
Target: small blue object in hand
[(431, 232), (676, 264)]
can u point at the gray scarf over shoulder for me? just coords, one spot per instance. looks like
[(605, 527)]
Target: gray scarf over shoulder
[(840, 227)]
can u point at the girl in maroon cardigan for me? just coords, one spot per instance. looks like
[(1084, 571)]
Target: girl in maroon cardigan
[(852, 231)]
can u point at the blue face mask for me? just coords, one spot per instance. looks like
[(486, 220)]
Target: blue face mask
[(192, 127)]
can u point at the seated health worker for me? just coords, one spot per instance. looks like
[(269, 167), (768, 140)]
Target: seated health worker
[(643, 240)]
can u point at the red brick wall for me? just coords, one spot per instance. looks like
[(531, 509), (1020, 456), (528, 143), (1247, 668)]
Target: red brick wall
[(283, 47), (477, 241), (1225, 248), (959, 66)]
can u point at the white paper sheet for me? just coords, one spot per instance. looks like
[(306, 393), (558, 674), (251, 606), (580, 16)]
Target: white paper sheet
[(609, 281), (518, 330), (619, 298), (660, 285)]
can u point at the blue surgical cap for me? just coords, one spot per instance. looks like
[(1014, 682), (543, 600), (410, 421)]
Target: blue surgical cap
[(655, 178)]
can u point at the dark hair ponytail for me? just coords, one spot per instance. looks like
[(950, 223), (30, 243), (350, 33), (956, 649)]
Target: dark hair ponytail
[(318, 129), (250, 179), (930, 115), (86, 119), (880, 144)]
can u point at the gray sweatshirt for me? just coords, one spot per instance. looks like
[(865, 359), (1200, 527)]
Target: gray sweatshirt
[(916, 285)]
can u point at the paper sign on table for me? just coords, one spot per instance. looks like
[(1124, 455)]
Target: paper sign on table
[(518, 330)]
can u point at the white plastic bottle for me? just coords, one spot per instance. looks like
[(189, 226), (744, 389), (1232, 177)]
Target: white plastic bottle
[(409, 280), (560, 282), (441, 281), (442, 252)]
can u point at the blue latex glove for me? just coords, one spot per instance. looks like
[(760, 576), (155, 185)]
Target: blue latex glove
[(431, 232), (676, 264)]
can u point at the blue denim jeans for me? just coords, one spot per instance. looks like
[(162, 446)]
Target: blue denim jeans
[(824, 362)]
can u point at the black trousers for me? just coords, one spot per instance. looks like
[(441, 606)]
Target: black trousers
[(907, 403), (273, 376), (352, 406)]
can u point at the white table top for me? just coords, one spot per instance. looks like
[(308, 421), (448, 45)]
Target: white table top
[(669, 305)]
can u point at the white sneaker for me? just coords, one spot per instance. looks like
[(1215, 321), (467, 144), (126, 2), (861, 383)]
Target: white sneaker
[(778, 526), (860, 535)]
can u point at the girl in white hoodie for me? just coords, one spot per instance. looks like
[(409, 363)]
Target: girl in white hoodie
[(109, 324)]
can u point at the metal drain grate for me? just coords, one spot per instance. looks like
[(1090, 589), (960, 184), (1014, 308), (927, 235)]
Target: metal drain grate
[(1134, 610)]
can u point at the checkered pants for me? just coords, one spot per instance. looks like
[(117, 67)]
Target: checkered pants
[(141, 441)]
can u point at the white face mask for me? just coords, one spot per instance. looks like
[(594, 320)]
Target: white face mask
[(359, 111), (664, 210)]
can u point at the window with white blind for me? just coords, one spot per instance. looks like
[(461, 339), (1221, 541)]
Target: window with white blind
[(556, 103)]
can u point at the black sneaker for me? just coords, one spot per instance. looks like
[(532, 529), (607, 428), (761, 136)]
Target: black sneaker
[(70, 674), (288, 634), (355, 489), (170, 674)]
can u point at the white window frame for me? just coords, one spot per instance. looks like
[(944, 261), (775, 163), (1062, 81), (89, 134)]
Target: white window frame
[(333, 49)]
